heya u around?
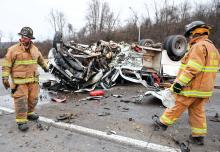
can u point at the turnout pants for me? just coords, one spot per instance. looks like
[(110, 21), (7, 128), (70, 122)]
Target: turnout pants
[(25, 100), (196, 111)]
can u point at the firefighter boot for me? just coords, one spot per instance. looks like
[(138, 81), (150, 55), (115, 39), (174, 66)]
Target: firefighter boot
[(157, 124), (196, 140), (22, 126), (32, 116)]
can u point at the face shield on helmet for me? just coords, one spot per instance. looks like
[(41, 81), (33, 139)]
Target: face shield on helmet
[(197, 27)]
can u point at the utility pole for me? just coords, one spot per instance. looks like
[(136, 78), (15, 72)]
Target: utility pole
[(138, 25)]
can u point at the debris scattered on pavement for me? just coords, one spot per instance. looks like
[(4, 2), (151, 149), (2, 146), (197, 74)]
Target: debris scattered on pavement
[(40, 126), (59, 100), (217, 87), (97, 93), (138, 99), (106, 108), (166, 97), (125, 101), (131, 119), (110, 132), (10, 131), (215, 118), (104, 114), (138, 128), (93, 98), (117, 96), (67, 117), (125, 109), (184, 148)]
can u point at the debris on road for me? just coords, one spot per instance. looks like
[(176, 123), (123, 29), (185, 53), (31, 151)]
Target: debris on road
[(125, 100), (131, 119), (93, 98), (166, 97), (106, 108), (138, 128), (215, 118), (124, 109), (110, 132), (117, 96), (97, 93), (59, 100), (104, 114), (40, 126), (217, 87), (67, 117)]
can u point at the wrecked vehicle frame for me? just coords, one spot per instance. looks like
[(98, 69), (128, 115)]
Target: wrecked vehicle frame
[(83, 68)]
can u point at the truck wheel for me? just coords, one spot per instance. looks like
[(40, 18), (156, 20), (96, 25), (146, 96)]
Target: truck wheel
[(146, 42), (176, 46)]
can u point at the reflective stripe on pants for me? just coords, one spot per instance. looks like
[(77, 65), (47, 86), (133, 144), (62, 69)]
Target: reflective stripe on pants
[(25, 100), (25, 80), (197, 117)]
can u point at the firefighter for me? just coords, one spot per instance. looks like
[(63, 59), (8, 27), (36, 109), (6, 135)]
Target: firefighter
[(194, 82), (21, 63)]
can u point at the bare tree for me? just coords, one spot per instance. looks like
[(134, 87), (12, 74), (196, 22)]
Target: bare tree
[(93, 16), (99, 17), (57, 20), (81, 35), (147, 20), (185, 10), (71, 31), (156, 12)]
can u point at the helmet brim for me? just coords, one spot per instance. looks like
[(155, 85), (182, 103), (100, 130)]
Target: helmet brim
[(26, 36)]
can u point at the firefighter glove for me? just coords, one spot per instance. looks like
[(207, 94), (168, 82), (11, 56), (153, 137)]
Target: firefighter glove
[(177, 87), (6, 83)]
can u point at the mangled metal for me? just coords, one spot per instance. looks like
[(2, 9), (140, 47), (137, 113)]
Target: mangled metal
[(85, 67)]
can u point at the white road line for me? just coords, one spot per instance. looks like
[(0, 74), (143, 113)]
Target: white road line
[(7, 109), (103, 135)]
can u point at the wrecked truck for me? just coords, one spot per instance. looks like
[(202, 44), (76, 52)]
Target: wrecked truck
[(82, 67)]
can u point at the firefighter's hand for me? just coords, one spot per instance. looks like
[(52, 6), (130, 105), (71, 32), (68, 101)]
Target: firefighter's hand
[(6, 83), (177, 87)]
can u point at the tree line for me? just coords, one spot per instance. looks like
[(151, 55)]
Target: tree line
[(102, 23), (171, 18)]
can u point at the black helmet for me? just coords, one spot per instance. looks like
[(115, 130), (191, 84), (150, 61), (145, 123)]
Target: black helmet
[(27, 32), (193, 25)]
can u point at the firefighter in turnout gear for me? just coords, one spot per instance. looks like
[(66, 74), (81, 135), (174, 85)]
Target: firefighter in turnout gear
[(21, 62), (194, 82)]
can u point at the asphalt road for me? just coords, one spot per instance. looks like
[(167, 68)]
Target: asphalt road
[(122, 116)]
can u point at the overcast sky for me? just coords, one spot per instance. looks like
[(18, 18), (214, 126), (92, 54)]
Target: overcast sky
[(15, 14)]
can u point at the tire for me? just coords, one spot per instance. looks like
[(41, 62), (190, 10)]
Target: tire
[(58, 38), (176, 46), (146, 42)]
